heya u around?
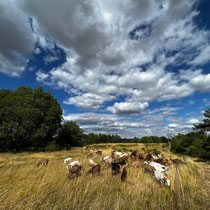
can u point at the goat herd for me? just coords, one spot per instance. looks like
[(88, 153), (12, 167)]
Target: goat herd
[(118, 162)]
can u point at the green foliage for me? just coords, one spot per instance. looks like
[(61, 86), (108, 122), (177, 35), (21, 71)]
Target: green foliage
[(70, 135), (195, 144), (28, 118), (52, 146), (205, 126)]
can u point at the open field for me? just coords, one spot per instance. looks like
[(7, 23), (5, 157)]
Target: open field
[(23, 185)]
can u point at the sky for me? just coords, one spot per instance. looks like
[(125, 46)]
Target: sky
[(128, 67)]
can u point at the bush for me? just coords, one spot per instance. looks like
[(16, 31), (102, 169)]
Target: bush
[(51, 147)]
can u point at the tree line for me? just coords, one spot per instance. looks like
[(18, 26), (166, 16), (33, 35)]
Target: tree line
[(196, 144)]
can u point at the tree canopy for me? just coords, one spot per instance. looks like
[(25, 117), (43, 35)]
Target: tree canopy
[(196, 144), (28, 118), (205, 126), (70, 135)]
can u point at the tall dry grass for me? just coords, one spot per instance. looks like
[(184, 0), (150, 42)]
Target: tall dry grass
[(23, 185)]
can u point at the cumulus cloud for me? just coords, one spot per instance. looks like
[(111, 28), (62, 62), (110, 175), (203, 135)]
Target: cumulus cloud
[(87, 100), (16, 39), (128, 108), (192, 121), (147, 123), (197, 79)]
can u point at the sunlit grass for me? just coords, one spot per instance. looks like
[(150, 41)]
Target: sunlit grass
[(23, 185)]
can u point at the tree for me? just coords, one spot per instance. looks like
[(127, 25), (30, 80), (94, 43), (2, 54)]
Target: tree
[(28, 118), (205, 126), (70, 135)]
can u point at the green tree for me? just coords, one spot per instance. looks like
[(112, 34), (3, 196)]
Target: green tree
[(205, 126), (28, 118), (70, 135)]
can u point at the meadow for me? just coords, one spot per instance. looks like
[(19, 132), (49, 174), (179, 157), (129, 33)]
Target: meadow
[(23, 185)]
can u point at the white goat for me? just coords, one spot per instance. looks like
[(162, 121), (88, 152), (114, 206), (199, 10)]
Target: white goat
[(67, 161), (76, 162), (92, 163), (120, 154), (160, 171)]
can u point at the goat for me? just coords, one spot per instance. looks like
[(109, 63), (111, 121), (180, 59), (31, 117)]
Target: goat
[(98, 152), (136, 164), (115, 168), (112, 154), (94, 170), (43, 162), (141, 156), (134, 155), (119, 154), (92, 163), (121, 161), (160, 172), (124, 174), (67, 161), (148, 157), (175, 161), (161, 161), (106, 160), (148, 168), (76, 162), (75, 169)]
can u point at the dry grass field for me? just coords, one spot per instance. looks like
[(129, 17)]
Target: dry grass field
[(23, 185)]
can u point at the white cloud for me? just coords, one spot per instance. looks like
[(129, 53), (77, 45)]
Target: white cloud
[(87, 100), (16, 39), (128, 108), (41, 76), (192, 121), (203, 57), (49, 59), (173, 125), (196, 79)]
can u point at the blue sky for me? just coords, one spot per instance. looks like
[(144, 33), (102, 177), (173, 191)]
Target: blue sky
[(131, 67)]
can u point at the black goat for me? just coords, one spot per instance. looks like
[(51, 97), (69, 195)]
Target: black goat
[(115, 168)]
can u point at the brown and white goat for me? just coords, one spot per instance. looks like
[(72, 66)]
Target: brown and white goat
[(94, 170), (75, 169), (149, 169), (124, 174), (43, 162)]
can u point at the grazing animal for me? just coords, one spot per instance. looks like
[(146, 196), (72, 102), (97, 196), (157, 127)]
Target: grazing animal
[(76, 162), (148, 157), (160, 172), (134, 155), (67, 161), (98, 152), (92, 163), (115, 168), (141, 156), (121, 161), (94, 170), (43, 162), (112, 154), (119, 154), (148, 168), (124, 174), (161, 161), (75, 169), (175, 161), (136, 164), (107, 161)]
